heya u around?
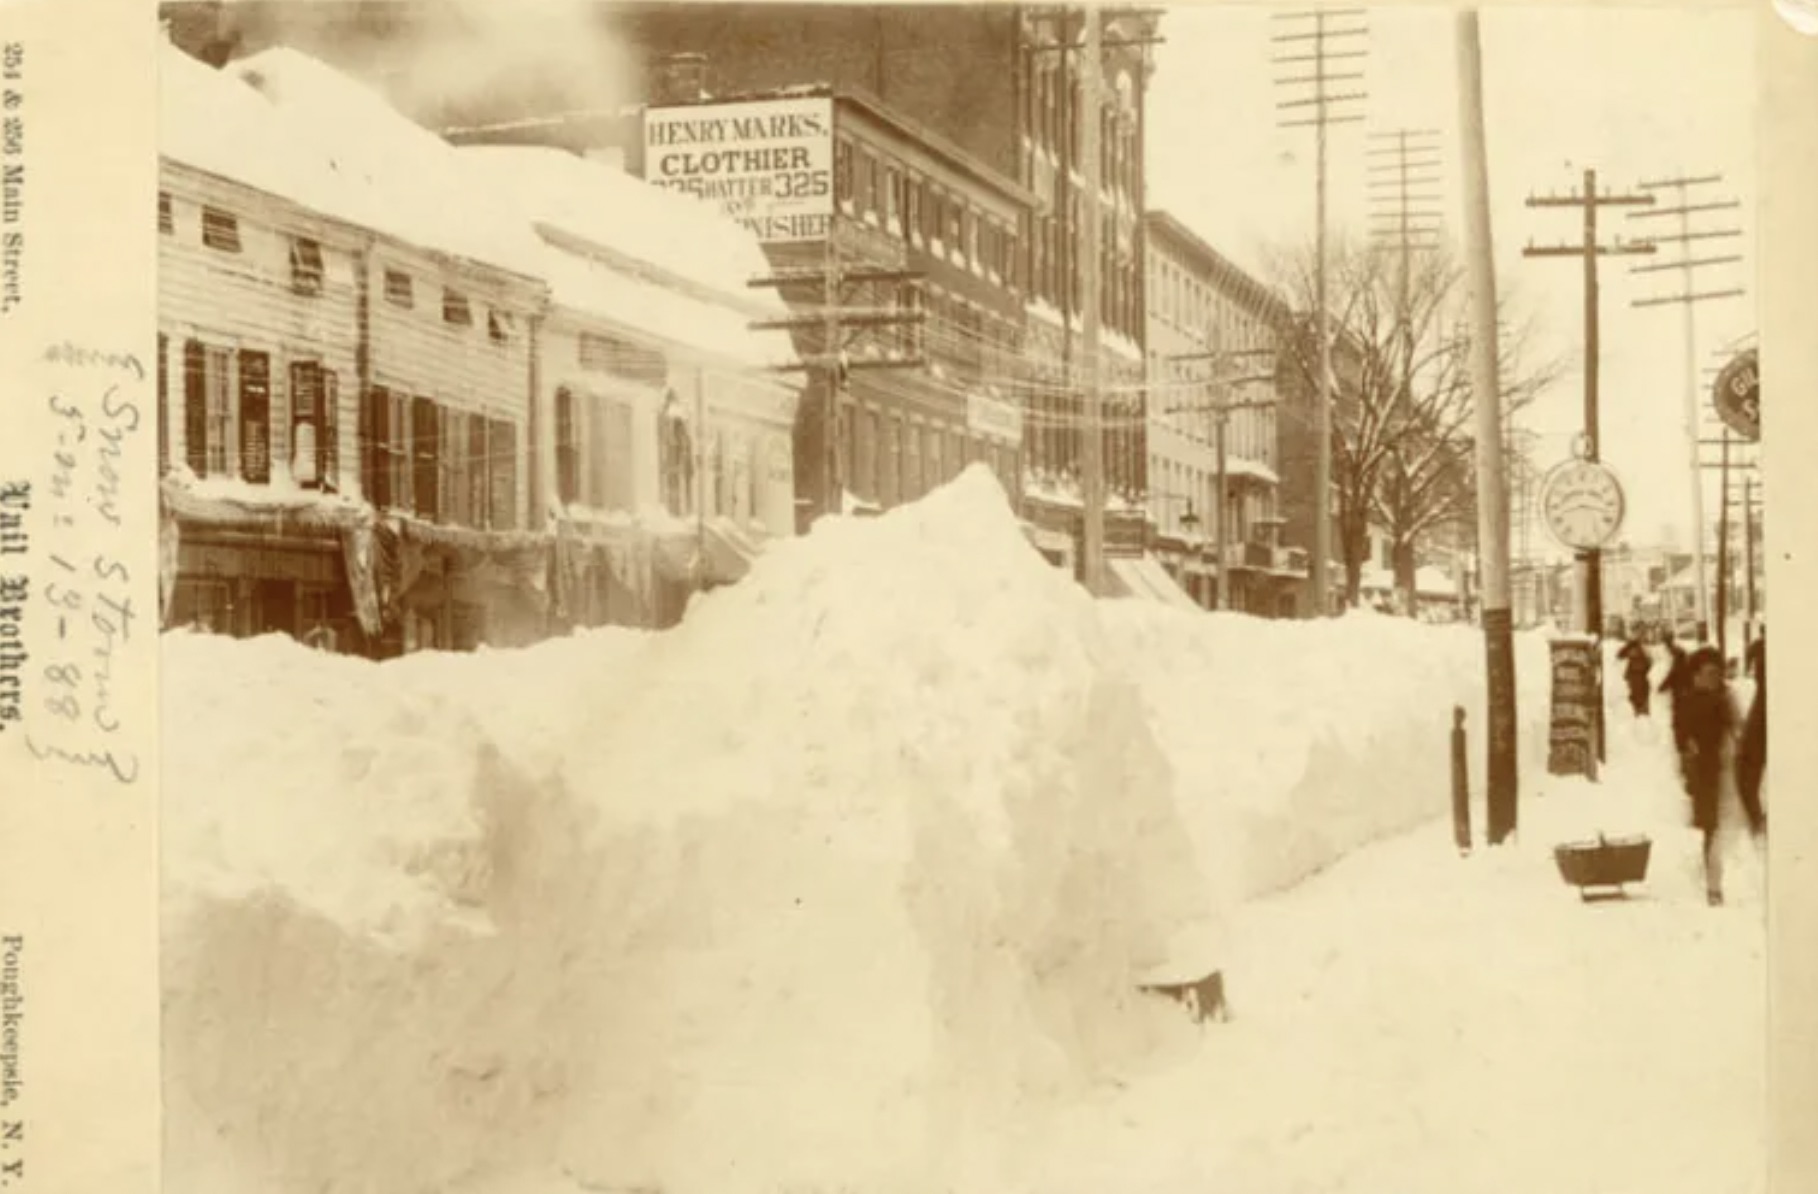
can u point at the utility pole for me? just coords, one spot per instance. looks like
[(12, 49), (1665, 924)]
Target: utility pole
[(1687, 299), (1493, 494), (1219, 407), (828, 320), (1092, 446), (1397, 187), (1329, 26), (1723, 549), (1590, 563)]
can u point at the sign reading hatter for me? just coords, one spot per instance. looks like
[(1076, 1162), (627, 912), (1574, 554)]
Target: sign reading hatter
[(767, 163)]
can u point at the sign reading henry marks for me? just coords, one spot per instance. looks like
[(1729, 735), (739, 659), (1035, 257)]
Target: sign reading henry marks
[(767, 163), (1737, 396), (1577, 694)]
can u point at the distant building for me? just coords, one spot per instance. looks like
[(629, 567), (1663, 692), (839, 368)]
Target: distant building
[(1200, 305)]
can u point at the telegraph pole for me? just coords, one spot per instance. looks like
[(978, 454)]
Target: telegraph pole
[(1590, 563), (1329, 26), (1493, 494), (828, 325), (1687, 299), (1092, 446)]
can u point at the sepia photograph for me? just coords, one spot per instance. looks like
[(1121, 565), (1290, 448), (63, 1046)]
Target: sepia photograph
[(971, 598)]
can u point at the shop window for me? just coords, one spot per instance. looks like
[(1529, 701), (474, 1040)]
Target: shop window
[(208, 409), (306, 269), (842, 170), (202, 605), (384, 457), (315, 426), (220, 230)]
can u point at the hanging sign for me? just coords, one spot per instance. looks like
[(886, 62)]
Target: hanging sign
[(1577, 689), (1583, 504), (1737, 396)]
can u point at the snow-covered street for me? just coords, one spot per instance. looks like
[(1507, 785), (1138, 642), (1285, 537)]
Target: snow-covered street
[(849, 883), (1412, 1021)]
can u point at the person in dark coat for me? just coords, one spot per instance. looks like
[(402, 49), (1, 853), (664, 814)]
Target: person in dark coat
[(1751, 751), (1707, 752), (1678, 674), (1637, 663)]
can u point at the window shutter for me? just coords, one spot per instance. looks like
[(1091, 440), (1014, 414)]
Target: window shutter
[(425, 487), (375, 448), (195, 407), (163, 405), (503, 471), (328, 434), (479, 472), (567, 474), (255, 417)]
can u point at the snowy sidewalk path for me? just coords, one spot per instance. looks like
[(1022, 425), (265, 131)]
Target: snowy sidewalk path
[(1411, 1021)]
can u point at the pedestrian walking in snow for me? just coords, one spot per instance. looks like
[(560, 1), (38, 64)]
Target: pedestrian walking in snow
[(1637, 663), (1707, 753), (1751, 751), (1678, 674)]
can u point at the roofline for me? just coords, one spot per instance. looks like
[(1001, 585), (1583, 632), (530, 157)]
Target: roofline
[(1251, 287), (878, 109)]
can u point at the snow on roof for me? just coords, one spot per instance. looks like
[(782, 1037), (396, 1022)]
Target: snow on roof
[(213, 122), (666, 264), (410, 177)]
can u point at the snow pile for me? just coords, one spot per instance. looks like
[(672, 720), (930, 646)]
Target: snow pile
[(823, 888), (1294, 743)]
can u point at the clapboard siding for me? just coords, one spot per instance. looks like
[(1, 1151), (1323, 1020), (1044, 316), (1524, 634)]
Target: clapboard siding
[(416, 351), (245, 300)]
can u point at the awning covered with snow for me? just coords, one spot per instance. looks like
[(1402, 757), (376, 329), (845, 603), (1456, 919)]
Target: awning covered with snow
[(1143, 577)]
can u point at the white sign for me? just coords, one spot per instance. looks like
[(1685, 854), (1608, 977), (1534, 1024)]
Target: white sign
[(1583, 504), (767, 163), (1000, 420)]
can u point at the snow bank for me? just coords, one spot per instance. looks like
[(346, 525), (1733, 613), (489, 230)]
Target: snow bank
[(1294, 743), (815, 890), (846, 883)]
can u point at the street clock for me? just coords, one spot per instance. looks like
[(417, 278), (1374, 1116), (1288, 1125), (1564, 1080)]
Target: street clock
[(1582, 503)]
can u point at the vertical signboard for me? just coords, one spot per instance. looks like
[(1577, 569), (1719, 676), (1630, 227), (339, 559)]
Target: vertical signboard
[(1577, 689), (766, 163)]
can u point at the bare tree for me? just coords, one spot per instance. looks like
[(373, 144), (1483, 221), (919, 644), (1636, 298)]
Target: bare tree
[(1401, 444)]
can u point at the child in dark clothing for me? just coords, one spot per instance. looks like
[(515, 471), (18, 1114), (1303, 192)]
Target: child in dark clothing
[(1637, 663)]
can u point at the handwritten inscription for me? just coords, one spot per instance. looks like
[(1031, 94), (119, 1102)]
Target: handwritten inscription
[(15, 591), (12, 177), (87, 596)]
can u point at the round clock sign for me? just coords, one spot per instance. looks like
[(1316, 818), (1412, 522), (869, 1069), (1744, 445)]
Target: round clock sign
[(1582, 503)]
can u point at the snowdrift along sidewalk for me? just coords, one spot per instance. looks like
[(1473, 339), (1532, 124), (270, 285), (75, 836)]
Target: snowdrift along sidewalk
[(845, 882)]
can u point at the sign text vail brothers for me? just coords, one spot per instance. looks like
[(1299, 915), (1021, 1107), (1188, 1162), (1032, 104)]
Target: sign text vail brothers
[(767, 163)]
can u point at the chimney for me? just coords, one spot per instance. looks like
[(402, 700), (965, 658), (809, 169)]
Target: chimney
[(680, 79)]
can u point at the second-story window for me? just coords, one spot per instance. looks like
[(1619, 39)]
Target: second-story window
[(220, 230), (165, 223), (398, 290), (455, 309), (306, 270)]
